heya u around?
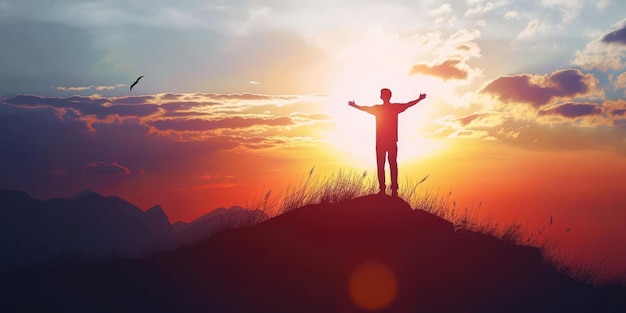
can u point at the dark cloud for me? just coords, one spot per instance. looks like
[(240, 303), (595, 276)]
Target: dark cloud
[(185, 114), (90, 106), (620, 112), (615, 109), (447, 70), (36, 144), (617, 36), (233, 122), (103, 168), (33, 101), (574, 110), (538, 91)]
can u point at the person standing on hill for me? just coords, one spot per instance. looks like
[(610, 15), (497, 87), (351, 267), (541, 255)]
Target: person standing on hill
[(387, 135)]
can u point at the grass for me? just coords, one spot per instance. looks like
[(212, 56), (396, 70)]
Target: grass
[(344, 185), (313, 189)]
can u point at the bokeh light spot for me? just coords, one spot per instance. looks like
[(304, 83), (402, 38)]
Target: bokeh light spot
[(373, 286)]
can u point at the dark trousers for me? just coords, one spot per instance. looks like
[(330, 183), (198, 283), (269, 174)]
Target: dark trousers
[(391, 151)]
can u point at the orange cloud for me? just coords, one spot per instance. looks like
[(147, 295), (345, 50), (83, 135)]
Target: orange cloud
[(446, 70), (615, 108), (573, 110), (620, 82)]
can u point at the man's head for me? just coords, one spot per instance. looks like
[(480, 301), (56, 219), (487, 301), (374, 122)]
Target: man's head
[(385, 94)]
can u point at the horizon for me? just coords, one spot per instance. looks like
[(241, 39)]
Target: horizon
[(525, 118)]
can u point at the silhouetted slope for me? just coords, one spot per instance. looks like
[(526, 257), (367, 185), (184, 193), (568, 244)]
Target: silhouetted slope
[(87, 226), (306, 260)]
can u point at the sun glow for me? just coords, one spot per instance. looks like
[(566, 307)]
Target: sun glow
[(359, 71)]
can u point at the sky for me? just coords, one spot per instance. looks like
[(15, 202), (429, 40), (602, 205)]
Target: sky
[(525, 118)]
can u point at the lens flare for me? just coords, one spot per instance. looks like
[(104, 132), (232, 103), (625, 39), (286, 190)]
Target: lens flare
[(373, 286)]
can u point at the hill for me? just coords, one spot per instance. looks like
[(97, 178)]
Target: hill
[(370, 254)]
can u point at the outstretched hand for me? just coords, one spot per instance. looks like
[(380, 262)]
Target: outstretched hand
[(351, 103), (422, 96)]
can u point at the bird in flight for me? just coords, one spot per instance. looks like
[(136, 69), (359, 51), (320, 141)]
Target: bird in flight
[(135, 83)]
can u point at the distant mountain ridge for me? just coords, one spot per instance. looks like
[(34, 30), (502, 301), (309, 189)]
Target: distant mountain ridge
[(87, 226), (215, 221)]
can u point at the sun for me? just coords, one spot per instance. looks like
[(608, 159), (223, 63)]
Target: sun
[(358, 71), (354, 131)]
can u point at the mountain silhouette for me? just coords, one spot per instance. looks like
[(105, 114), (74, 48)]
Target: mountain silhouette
[(216, 221), (87, 226), (370, 254)]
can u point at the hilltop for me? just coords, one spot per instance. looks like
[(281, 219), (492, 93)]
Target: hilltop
[(372, 253)]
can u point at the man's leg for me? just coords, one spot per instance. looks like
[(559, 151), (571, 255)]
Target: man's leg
[(380, 163), (393, 168)]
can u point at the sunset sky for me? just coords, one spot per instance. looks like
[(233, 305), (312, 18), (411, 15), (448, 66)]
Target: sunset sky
[(526, 108)]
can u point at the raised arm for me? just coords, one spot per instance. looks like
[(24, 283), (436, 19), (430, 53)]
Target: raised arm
[(356, 106), (414, 102)]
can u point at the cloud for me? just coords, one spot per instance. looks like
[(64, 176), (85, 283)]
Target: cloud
[(620, 82), (131, 100), (184, 117), (483, 119), (101, 108), (482, 8), (245, 96), (471, 134), (603, 4), (73, 88), (605, 52), (509, 15), (561, 126), (103, 168), (539, 90), (617, 36), (305, 117), (233, 122), (569, 8), (200, 134), (444, 9), (448, 69), (573, 110), (533, 27), (615, 108), (90, 87)]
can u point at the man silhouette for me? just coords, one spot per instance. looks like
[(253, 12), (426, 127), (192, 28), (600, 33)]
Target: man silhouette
[(387, 135)]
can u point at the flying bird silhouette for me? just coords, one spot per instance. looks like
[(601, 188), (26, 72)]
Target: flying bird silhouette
[(135, 83)]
